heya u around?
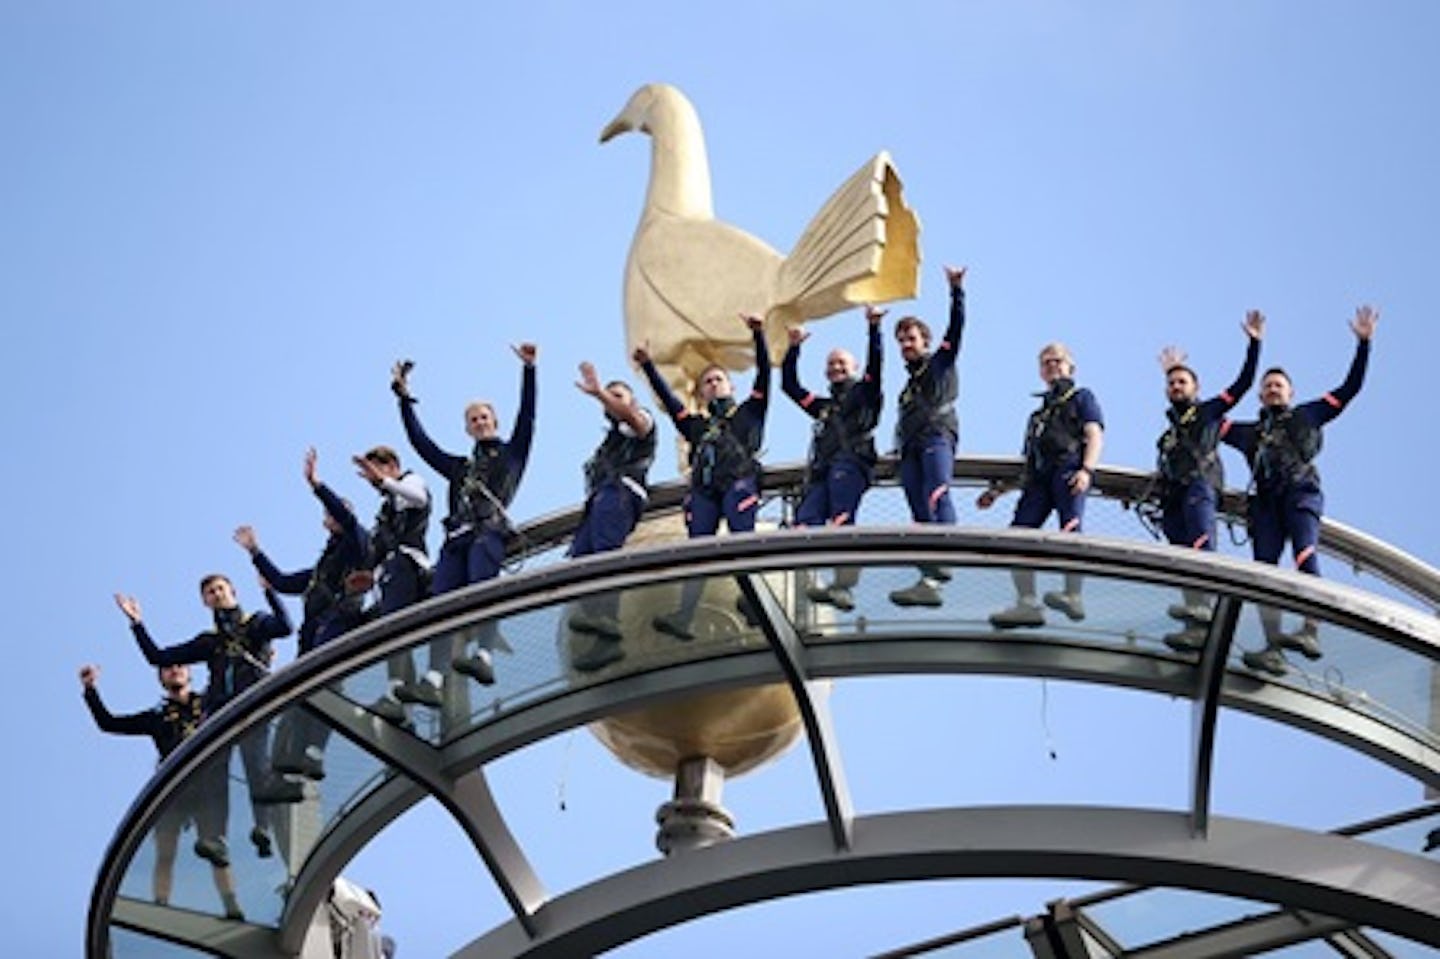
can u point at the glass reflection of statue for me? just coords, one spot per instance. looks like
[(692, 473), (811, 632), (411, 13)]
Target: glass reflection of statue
[(687, 279)]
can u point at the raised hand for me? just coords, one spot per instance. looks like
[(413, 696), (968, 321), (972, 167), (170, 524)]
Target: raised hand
[(311, 458), (245, 536), (400, 378), (873, 314), (1171, 357), (798, 335), (1254, 325), (1366, 317), (367, 470), (527, 353), (955, 276), (89, 676), (641, 356), (589, 382), (129, 605), (753, 320)]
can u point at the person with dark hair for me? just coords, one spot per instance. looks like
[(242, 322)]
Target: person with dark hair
[(615, 496), (725, 439), (929, 429), (400, 566), (333, 604), (1063, 439), (237, 652), (205, 803), (482, 485), (1286, 502), (1189, 473), (842, 457)]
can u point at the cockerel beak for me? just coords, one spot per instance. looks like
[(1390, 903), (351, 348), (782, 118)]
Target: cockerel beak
[(617, 126)]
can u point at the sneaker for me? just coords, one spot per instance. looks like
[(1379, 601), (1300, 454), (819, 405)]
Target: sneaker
[(477, 667), (595, 625), (1191, 639), (1071, 604), (672, 624), (311, 767), (1191, 613), (421, 693), (277, 792), (837, 596), (1021, 614), (214, 851), (1304, 641), (1432, 841), (261, 839), (921, 594), (1267, 660), (389, 709), (601, 653), (940, 574), (234, 913)]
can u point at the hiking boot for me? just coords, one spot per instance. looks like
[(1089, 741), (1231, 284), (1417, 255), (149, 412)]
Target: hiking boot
[(673, 624), (261, 840), (832, 595), (234, 913), (277, 792), (311, 767), (1191, 613), (1267, 660), (923, 593), (214, 851), (478, 667), (1305, 641), (1021, 614), (420, 693), (1071, 604), (389, 709), (595, 625), (1191, 639), (601, 653)]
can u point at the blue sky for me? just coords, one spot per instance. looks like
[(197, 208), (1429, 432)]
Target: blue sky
[(220, 224)]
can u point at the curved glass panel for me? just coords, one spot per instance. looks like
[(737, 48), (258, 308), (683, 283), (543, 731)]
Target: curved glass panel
[(127, 944)]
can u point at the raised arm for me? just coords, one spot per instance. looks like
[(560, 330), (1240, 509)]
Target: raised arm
[(274, 624), (291, 584), (790, 372), (438, 460), (1363, 326), (676, 409), (944, 356), (524, 431), (131, 724), (631, 414), (874, 352), (196, 650), (1254, 327), (760, 390)]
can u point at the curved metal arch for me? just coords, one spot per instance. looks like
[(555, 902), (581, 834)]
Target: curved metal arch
[(1387, 620), (1376, 887)]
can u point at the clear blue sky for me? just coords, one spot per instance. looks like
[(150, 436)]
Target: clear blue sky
[(220, 224)]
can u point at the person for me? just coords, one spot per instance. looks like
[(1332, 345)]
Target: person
[(1189, 472), (1063, 440), (615, 496), (332, 606), (725, 438), (929, 429), (169, 723), (399, 565), (841, 463), (1286, 502), (482, 486), (237, 651)]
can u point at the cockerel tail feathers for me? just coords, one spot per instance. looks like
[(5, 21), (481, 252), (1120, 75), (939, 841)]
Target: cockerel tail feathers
[(861, 247)]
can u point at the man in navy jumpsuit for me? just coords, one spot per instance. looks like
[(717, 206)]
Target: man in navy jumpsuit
[(724, 439), (1063, 440), (615, 496), (482, 486), (169, 723), (929, 429), (1189, 470), (842, 453), (332, 606), (236, 652), (1286, 502)]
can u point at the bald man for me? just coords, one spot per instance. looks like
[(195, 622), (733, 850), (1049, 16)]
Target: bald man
[(842, 457)]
